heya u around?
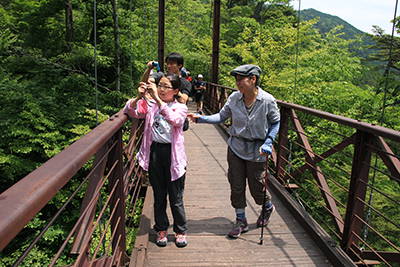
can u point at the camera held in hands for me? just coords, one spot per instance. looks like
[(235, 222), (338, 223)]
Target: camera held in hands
[(155, 64)]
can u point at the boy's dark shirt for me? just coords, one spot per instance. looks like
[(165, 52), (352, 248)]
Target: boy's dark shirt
[(186, 86)]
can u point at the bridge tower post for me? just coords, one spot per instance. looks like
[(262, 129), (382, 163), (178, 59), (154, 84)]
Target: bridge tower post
[(161, 34), (215, 48)]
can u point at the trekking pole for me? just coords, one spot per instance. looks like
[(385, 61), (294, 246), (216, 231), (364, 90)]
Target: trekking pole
[(265, 196)]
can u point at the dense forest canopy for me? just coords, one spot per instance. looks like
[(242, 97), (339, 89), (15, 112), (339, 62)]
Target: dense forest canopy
[(48, 65)]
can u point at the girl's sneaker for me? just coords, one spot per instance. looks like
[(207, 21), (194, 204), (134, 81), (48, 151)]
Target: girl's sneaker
[(180, 240), (162, 238)]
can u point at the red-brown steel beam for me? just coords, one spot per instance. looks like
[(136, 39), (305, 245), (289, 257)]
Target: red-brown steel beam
[(357, 189), (317, 173)]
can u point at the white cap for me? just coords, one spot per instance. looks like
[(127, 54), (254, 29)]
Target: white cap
[(200, 76)]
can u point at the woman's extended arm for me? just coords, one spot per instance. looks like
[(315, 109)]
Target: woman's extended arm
[(212, 119)]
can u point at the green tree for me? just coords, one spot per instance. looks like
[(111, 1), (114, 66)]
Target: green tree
[(388, 55)]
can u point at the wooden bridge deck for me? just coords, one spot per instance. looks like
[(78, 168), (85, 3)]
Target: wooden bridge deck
[(210, 216)]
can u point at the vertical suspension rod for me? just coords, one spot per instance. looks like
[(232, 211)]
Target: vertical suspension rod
[(161, 33), (215, 49)]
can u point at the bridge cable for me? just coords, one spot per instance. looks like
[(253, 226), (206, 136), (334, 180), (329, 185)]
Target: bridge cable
[(261, 26), (95, 57), (368, 215), (130, 44), (241, 20), (102, 221), (295, 85), (294, 101), (229, 21), (297, 52)]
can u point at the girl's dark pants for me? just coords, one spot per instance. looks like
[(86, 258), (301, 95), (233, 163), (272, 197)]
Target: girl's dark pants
[(160, 180)]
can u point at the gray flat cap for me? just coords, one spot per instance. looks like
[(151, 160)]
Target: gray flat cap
[(247, 70)]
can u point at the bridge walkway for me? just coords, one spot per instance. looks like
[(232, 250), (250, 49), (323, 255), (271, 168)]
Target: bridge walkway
[(210, 216)]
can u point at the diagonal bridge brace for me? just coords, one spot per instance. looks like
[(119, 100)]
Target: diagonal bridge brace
[(311, 161)]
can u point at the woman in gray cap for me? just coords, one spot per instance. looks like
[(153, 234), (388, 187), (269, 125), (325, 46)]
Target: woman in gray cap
[(255, 123)]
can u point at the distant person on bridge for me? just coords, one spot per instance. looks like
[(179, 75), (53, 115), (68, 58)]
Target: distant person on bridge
[(162, 152), (199, 87), (255, 123)]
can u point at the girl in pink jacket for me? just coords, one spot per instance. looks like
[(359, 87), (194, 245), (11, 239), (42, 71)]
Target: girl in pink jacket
[(162, 152)]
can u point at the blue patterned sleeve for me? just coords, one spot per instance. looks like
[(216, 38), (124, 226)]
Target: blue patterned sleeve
[(212, 119)]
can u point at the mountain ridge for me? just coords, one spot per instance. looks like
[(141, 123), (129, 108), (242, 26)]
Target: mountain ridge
[(327, 22)]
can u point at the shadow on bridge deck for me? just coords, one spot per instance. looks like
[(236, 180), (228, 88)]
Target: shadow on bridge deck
[(210, 216)]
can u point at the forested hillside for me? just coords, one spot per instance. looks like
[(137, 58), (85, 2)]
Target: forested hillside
[(327, 22), (48, 67)]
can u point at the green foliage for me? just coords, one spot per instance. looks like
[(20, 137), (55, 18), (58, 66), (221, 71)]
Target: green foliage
[(388, 86)]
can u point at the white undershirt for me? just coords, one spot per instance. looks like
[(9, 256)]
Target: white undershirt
[(161, 129)]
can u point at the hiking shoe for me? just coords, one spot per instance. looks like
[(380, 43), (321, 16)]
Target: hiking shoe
[(267, 216), (200, 112), (241, 226), (162, 238), (180, 240)]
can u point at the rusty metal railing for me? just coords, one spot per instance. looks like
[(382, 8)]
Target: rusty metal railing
[(339, 170), (98, 235)]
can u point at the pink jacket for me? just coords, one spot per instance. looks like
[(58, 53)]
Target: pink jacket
[(175, 115)]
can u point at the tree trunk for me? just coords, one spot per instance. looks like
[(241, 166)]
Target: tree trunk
[(69, 25), (116, 41), (258, 10)]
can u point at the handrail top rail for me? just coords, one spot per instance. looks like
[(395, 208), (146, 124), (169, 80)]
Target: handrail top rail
[(356, 124)]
